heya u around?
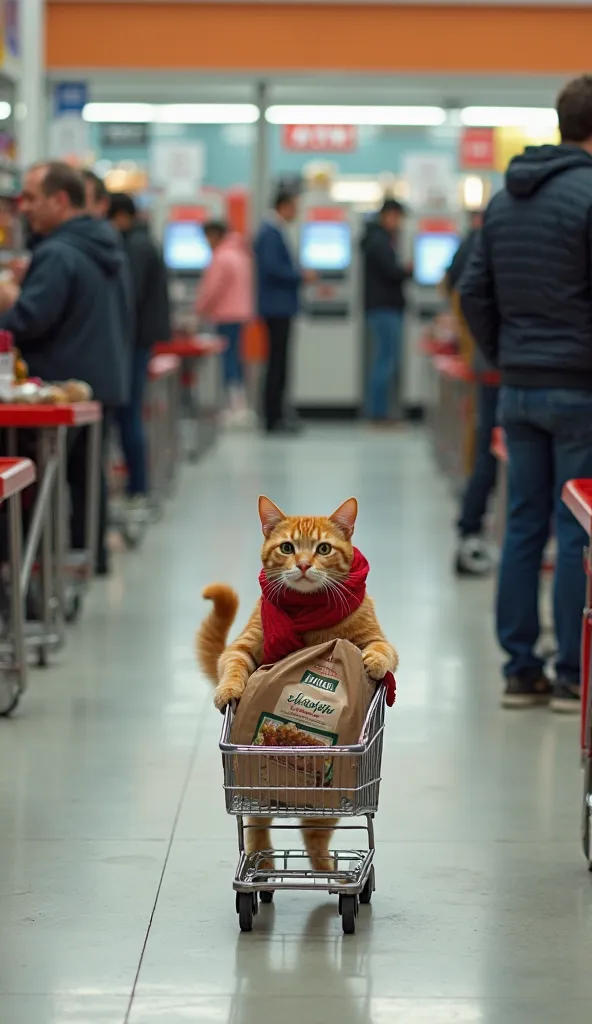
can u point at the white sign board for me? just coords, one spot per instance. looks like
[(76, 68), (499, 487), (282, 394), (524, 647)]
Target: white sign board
[(177, 167), (69, 136), (430, 180)]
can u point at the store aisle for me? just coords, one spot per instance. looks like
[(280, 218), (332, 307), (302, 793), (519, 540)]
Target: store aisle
[(117, 858)]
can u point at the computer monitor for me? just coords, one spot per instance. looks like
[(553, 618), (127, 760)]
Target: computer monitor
[(186, 247), (325, 246), (433, 253)]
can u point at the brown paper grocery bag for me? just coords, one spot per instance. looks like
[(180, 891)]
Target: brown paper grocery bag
[(316, 697)]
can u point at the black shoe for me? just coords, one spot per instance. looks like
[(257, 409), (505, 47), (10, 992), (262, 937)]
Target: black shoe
[(526, 691), (566, 698), (284, 427)]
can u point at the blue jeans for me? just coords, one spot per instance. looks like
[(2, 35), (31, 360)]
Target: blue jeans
[(386, 329), (131, 425), (549, 439), (232, 364), (482, 480)]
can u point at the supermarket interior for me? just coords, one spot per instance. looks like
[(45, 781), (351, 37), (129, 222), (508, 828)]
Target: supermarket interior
[(295, 293)]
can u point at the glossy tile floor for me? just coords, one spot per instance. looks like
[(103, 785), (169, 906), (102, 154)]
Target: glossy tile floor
[(117, 858)]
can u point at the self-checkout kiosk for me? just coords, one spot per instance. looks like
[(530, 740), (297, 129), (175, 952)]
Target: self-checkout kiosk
[(187, 254), (327, 371), (430, 245)]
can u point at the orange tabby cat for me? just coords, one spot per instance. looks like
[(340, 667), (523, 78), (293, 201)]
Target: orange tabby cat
[(305, 554)]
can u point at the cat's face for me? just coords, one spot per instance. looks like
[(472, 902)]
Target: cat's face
[(307, 553)]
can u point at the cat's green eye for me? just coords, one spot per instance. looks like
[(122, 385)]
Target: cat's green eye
[(324, 548), (287, 548)]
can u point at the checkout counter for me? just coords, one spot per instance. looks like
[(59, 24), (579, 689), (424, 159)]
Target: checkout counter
[(328, 356)]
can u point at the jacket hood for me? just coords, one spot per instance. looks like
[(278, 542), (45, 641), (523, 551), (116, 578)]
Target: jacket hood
[(96, 239), (373, 230), (531, 169)]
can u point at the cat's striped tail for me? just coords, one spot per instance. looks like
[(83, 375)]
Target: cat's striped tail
[(212, 635)]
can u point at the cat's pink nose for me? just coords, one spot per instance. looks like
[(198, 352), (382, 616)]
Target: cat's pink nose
[(304, 567)]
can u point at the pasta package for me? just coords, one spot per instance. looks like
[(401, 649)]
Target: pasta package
[(316, 697)]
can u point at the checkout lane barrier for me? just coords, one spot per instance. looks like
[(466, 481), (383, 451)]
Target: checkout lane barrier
[(15, 476), (451, 416), (577, 495), (200, 399), (162, 415), (62, 576)]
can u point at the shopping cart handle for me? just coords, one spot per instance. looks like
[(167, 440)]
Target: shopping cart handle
[(391, 688)]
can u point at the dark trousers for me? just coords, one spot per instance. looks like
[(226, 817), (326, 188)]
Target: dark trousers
[(77, 466), (276, 376), (131, 425), (549, 439), (482, 481), (231, 360)]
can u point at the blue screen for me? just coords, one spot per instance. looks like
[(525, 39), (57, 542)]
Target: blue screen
[(432, 256), (186, 247), (325, 245)]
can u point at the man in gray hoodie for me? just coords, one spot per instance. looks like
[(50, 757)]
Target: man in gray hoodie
[(73, 315)]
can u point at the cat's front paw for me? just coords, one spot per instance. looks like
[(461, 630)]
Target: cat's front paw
[(376, 664), (226, 693)]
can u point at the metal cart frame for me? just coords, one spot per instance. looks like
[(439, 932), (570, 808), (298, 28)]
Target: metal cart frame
[(351, 794), (577, 495), (15, 475)]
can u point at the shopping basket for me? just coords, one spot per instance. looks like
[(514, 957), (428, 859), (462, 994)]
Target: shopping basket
[(340, 781)]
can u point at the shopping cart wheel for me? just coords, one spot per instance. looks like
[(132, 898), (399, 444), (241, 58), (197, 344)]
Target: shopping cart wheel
[(348, 908), (266, 897), (366, 893), (42, 657), (244, 905), (10, 695)]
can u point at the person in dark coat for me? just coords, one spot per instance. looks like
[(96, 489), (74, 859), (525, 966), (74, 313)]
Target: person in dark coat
[(384, 302), (152, 324), (527, 299), (72, 314), (279, 280), (474, 556)]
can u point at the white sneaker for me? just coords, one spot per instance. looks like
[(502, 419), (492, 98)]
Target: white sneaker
[(474, 557), (136, 508)]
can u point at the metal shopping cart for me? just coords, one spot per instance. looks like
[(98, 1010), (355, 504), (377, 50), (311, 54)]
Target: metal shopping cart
[(267, 782)]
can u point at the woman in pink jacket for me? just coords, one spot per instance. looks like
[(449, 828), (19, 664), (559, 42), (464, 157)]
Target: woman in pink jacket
[(225, 299)]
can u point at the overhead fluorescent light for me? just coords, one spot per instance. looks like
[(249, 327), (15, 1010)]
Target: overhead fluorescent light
[(358, 115), (356, 191), (536, 118), (206, 113), (124, 113), (172, 113), (5, 110)]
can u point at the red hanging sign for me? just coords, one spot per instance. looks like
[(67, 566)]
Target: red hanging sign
[(477, 149), (320, 138)]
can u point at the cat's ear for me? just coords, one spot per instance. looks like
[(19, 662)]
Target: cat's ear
[(345, 516), (269, 514)]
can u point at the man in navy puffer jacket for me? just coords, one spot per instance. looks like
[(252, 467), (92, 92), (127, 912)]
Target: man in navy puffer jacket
[(527, 298)]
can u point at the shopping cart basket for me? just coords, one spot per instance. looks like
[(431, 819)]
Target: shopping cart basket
[(344, 782)]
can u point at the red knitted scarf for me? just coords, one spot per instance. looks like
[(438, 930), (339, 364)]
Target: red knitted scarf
[(287, 614)]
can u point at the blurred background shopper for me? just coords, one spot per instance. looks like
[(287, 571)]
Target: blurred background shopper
[(151, 325), (474, 556), (225, 298), (384, 277), (279, 279)]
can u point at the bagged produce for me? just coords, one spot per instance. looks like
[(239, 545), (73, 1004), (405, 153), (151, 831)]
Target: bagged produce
[(316, 697)]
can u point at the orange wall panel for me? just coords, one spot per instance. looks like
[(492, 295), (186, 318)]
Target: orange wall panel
[(288, 37)]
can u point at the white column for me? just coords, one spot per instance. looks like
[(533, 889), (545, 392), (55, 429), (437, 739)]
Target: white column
[(31, 90), (260, 176)]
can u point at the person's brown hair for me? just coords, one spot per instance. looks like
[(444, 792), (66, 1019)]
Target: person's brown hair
[(60, 177), (98, 185), (574, 110)]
